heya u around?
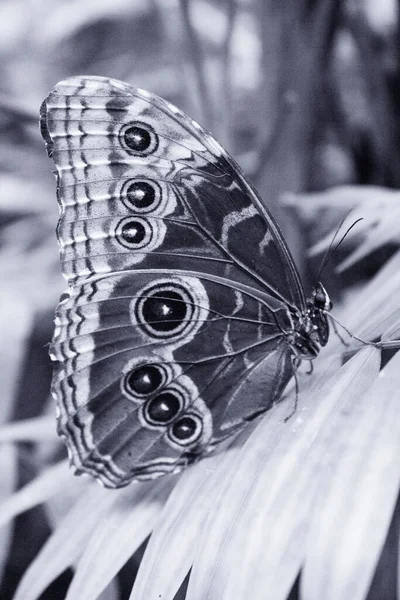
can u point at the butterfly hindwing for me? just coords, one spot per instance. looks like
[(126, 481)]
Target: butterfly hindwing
[(177, 328), (120, 365)]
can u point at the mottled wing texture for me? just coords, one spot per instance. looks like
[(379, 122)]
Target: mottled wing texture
[(176, 327)]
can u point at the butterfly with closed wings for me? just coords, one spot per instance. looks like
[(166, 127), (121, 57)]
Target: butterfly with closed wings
[(185, 317)]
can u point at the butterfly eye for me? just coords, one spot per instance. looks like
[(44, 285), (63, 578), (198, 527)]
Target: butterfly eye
[(144, 380), (321, 299), (139, 139), (134, 233), (163, 408), (142, 196), (186, 430), (165, 311)]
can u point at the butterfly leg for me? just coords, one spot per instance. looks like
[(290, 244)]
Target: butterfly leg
[(354, 337), (295, 366), (311, 367), (335, 329)]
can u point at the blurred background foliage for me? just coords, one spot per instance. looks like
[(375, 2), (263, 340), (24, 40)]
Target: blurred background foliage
[(303, 93)]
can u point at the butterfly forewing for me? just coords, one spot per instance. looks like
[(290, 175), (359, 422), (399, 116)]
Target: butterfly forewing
[(178, 327), (195, 205)]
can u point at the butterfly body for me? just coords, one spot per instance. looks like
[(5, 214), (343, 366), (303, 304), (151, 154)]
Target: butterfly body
[(185, 311)]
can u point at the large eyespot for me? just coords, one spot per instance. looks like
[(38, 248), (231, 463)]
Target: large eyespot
[(186, 430), (175, 307), (138, 138), (165, 310), (141, 196), (144, 380), (163, 408), (134, 232)]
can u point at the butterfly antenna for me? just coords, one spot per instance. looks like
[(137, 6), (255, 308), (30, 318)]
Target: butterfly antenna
[(329, 253)]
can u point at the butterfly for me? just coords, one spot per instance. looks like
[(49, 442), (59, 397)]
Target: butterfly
[(184, 317)]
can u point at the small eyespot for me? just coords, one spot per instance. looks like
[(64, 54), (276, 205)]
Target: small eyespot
[(144, 380), (141, 196), (134, 232), (165, 311), (186, 430), (138, 138), (163, 408)]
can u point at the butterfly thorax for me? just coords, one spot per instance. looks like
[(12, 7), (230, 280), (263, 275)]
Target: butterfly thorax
[(311, 327)]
